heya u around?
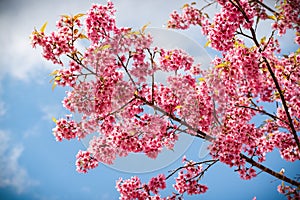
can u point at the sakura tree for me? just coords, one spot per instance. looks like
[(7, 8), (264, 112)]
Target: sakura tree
[(110, 73)]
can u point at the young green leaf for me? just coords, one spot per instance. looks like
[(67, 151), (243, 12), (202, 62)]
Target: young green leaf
[(82, 36), (54, 86), (144, 27), (207, 43), (43, 27), (78, 16), (54, 119), (202, 79), (107, 46)]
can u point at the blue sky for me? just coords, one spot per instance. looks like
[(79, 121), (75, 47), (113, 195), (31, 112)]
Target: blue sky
[(33, 166)]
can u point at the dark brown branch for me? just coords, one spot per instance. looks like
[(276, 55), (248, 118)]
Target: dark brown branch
[(266, 7), (263, 112), (207, 5), (209, 166), (284, 103), (269, 171), (243, 34), (200, 134), (207, 137), (269, 40)]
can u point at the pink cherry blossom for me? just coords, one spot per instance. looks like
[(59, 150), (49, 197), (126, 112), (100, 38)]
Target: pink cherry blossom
[(85, 161), (111, 85)]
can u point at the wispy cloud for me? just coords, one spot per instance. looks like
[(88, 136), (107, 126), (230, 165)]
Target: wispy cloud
[(12, 174), (18, 59), (50, 111), (21, 62)]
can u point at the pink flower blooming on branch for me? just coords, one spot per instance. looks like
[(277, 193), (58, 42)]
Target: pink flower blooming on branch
[(85, 161), (187, 179), (112, 85), (134, 189)]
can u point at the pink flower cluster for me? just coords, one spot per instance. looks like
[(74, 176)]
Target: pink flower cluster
[(157, 183), (100, 21), (111, 90), (291, 193), (187, 180), (288, 17), (189, 16), (68, 76), (60, 42), (193, 99), (85, 161), (149, 134), (176, 59), (221, 32), (65, 129), (133, 188), (103, 150), (140, 67), (240, 82)]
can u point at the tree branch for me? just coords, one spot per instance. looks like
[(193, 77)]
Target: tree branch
[(284, 103), (263, 112), (266, 7), (269, 171), (126, 70), (200, 134), (210, 138), (197, 163)]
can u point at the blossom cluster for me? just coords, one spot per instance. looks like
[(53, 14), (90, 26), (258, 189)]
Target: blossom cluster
[(133, 188), (291, 193), (188, 179), (222, 30), (100, 21), (174, 60), (288, 17), (60, 42), (85, 161), (187, 182), (67, 129), (110, 89), (190, 16)]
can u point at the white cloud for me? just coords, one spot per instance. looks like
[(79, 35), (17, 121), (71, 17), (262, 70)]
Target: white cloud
[(17, 20), (18, 59), (12, 174), (32, 131)]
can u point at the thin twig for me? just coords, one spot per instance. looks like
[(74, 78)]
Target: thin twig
[(126, 70), (152, 76), (81, 64), (263, 112), (182, 167)]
